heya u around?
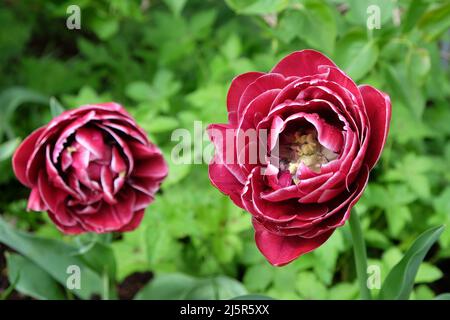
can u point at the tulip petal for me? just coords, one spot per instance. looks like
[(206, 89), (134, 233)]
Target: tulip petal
[(261, 85), (118, 165), (54, 200), (134, 223), (92, 140), (68, 131), (35, 202), (378, 108), (225, 181), (280, 250), (22, 156), (237, 87), (302, 63), (153, 167), (73, 230)]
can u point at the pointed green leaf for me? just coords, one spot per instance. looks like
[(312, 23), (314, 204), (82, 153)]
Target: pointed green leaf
[(56, 107), (32, 280), (54, 257), (400, 280)]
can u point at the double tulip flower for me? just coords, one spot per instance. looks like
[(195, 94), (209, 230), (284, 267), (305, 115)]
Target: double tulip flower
[(93, 169)]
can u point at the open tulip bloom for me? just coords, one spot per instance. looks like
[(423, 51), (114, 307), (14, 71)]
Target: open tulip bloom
[(297, 150), (296, 154), (92, 169)]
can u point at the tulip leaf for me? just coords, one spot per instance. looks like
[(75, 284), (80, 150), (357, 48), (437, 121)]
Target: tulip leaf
[(55, 257), (178, 286), (10, 100), (32, 280), (400, 280)]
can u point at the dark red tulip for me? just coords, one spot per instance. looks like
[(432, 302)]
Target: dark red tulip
[(323, 136), (92, 169)]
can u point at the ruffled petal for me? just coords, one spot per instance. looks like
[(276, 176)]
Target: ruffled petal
[(378, 108), (302, 63), (280, 250), (23, 154), (237, 87)]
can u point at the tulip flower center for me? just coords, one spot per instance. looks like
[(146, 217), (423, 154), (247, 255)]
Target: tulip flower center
[(303, 147), (93, 166)]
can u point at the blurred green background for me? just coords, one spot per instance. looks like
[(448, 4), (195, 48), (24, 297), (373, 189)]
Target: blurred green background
[(170, 62)]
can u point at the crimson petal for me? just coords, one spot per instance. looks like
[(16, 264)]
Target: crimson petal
[(302, 63), (378, 108), (280, 250)]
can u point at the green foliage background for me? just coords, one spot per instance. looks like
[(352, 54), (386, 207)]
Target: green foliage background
[(170, 63)]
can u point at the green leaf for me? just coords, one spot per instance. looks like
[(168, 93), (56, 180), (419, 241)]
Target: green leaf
[(343, 291), (252, 297), (86, 95), (313, 15), (257, 6), (310, 287), (55, 107), (423, 292), (435, 21), (219, 288), (415, 10), (176, 6), (179, 286), (170, 286), (201, 23), (397, 217), (419, 66), (359, 8), (160, 124), (400, 280), (10, 100), (138, 91), (52, 256), (7, 292), (428, 273), (326, 257), (101, 259), (443, 296), (105, 27), (356, 55), (177, 171), (33, 281), (403, 89), (377, 239), (7, 148), (258, 277), (232, 47)]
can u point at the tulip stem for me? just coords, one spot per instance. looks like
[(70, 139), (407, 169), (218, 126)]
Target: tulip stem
[(359, 250)]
